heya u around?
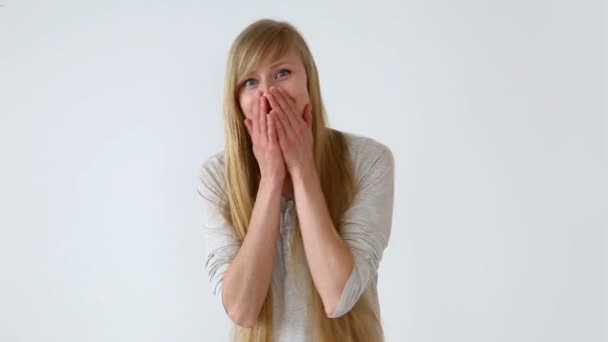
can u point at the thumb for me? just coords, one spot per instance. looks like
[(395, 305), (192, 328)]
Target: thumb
[(308, 115), (246, 121)]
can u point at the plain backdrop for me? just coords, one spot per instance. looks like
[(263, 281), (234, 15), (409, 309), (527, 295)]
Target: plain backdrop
[(495, 112)]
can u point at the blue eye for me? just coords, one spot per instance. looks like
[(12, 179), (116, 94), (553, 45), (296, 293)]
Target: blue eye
[(284, 70), (246, 83), (250, 82)]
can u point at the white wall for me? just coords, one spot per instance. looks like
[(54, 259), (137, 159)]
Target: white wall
[(495, 111)]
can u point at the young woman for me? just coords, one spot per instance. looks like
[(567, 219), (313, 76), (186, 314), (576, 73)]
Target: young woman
[(296, 214)]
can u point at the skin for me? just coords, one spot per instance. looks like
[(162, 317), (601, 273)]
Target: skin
[(288, 74), (275, 101)]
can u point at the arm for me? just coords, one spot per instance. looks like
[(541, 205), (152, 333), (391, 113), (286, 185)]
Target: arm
[(333, 262), (329, 258), (239, 274), (364, 229), (248, 277)]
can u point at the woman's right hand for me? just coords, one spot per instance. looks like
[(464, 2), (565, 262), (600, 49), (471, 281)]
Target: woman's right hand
[(265, 141)]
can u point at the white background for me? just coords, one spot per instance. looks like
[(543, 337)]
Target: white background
[(495, 112)]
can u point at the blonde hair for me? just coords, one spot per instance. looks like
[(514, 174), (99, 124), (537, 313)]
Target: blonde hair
[(242, 175)]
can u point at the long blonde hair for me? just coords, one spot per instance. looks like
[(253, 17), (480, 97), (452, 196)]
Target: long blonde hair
[(242, 175)]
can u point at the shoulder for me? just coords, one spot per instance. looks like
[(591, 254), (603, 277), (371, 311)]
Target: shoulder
[(369, 155), (211, 173), (214, 163)]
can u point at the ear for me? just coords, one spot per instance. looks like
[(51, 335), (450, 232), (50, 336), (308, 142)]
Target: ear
[(308, 115)]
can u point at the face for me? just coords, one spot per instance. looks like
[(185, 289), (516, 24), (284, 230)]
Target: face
[(287, 73)]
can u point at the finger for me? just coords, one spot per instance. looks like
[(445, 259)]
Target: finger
[(285, 107), (274, 104), (256, 121), (246, 122), (272, 134), (290, 101), (282, 118), (264, 106), (279, 128), (308, 115), (280, 114), (263, 125)]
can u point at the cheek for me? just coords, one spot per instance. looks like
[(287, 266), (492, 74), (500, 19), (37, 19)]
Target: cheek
[(247, 105)]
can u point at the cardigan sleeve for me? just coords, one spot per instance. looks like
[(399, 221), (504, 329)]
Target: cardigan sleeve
[(221, 243), (366, 225)]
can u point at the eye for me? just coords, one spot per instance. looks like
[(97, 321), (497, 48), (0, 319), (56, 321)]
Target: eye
[(247, 83), (250, 82), (286, 71)]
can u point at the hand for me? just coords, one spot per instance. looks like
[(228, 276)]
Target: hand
[(265, 144), (293, 130)]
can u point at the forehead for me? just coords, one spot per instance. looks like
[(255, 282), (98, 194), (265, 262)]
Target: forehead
[(272, 59), (289, 56)]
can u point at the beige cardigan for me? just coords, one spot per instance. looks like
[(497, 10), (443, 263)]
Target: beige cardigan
[(365, 227)]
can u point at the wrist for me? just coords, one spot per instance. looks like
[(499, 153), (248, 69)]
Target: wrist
[(303, 172), (272, 183)]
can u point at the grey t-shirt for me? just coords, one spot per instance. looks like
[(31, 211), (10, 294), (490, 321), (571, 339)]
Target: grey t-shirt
[(365, 227)]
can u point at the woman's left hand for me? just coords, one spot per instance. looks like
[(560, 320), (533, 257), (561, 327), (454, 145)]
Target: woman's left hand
[(293, 129)]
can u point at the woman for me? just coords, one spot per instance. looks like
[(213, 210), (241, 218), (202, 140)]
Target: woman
[(296, 214)]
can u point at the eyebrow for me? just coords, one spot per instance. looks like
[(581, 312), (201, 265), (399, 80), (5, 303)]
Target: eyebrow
[(274, 65), (279, 62)]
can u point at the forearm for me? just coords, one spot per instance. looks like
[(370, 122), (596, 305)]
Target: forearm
[(329, 258), (248, 277)]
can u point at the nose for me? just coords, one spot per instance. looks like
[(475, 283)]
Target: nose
[(264, 86), (265, 89)]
